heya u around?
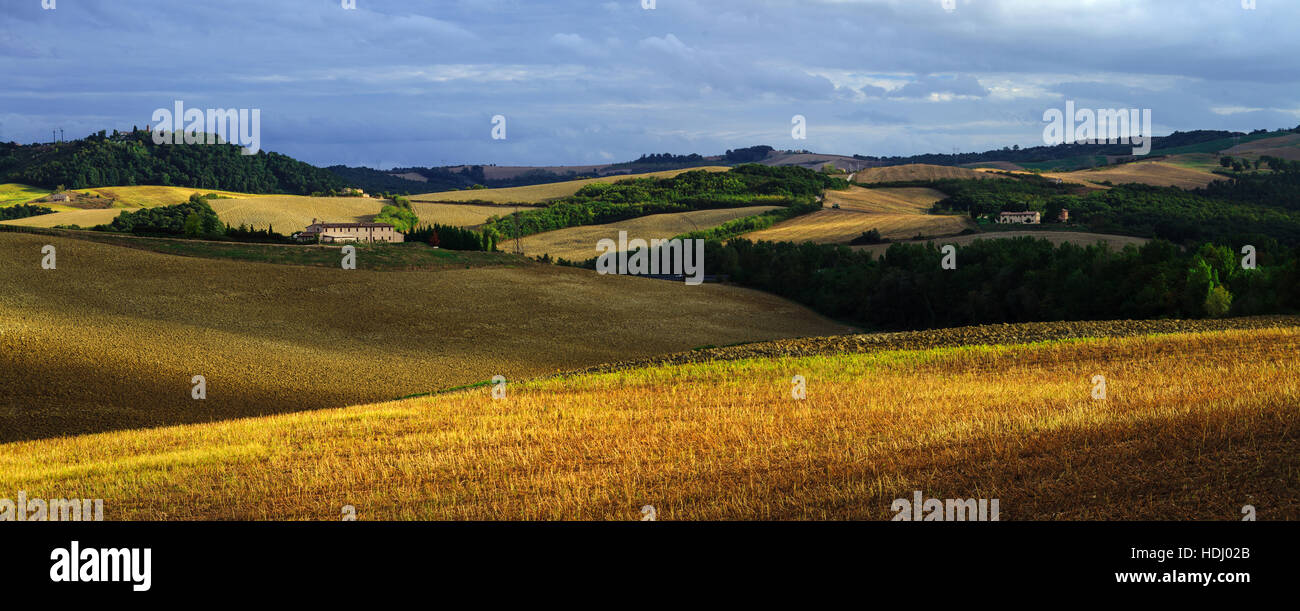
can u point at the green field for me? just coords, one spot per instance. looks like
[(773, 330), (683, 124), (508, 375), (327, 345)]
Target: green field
[(12, 194)]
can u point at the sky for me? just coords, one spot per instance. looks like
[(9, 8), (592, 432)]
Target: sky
[(395, 83)]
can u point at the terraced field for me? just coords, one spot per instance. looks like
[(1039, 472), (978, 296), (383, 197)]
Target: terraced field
[(544, 192), (111, 339), (1194, 425), (898, 214), (579, 243), (1080, 238)]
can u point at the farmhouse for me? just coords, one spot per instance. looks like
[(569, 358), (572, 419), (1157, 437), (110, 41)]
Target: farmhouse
[(330, 233), (1026, 218), (59, 197)]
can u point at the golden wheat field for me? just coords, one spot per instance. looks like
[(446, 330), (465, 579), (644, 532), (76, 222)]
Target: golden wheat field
[(579, 243), (1192, 426), (289, 213), (1154, 173), (544, 192), (897, 213), (112, 337), (149, 196)]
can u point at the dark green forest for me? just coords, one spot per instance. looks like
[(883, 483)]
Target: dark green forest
[(132, 158), (1012, 280)]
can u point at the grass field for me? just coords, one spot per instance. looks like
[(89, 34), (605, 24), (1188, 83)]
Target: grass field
[(12, 194), (1081, 238), (898, 214), (544, 192), (579, 243), (112, 337), (1193, 426)]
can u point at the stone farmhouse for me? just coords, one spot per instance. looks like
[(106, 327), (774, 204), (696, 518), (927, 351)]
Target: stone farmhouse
[(1025, 218), (333, 233)]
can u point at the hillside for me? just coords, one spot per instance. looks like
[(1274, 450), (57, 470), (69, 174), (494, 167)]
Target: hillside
[(543, 192), (282, 338), (132, 158), (579, 243), (919, 172), (897, 213), (1078, 238), (1193, 426)]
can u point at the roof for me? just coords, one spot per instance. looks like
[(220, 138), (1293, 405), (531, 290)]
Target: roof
[(352, 225)]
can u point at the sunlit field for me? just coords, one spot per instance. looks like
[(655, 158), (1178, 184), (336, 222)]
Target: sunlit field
[(1192, 426)]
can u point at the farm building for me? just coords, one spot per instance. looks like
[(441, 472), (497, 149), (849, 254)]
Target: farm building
[(330, 233), (59, 197), (1025, 218), (1063, 216)]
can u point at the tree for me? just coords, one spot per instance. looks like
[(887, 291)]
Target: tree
[(1218, 302), (193, 225)]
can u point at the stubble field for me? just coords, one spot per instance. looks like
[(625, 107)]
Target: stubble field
[(1192, 426)]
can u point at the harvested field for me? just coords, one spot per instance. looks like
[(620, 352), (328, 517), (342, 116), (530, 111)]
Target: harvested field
[(898, 214), (1116, 242), (290, 213), (83, 218), (1284, 147), (919, 172), (543, 192), (579, 243), (977, 335), (1154, 173), (149, 196), (1176, 438), (111, 338)]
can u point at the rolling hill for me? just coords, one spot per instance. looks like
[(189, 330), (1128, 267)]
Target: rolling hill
[(579, 243), (281, 338), (897, 213), (544, 192), (1194, 424)]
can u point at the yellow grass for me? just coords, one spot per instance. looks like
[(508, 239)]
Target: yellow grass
[(14, 193), (1155, 173), (579, 243), (149, 196), (68, 216), (544, 192), (1194, 426), (897, 213), (112, 337), (290, 213), (1080, 238)]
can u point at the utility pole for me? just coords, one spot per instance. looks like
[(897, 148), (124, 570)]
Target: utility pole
[(519, 249)]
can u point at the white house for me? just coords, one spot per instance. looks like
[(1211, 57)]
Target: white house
[(1024, 218)]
